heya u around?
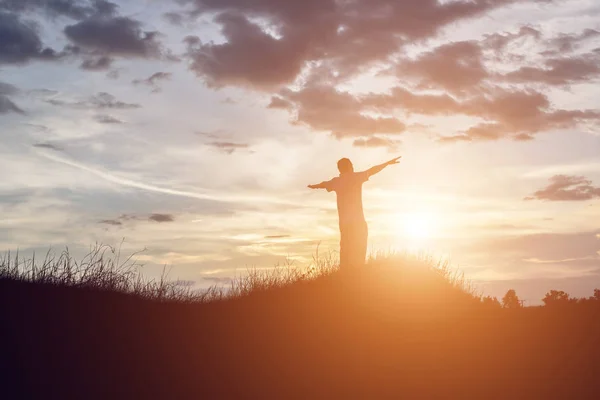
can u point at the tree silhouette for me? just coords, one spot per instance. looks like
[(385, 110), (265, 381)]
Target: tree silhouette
[(511, 300), (556, 297), (491, 301), (596, 294)]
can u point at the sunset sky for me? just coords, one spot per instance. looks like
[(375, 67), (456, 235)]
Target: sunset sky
[(191, 128)]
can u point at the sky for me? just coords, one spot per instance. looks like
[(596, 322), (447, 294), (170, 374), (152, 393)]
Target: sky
[(189, 129)]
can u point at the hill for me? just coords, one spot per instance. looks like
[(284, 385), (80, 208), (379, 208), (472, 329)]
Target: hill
[(399, 328)]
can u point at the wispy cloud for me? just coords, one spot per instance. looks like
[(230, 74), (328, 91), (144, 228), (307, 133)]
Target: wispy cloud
[(158, 189)]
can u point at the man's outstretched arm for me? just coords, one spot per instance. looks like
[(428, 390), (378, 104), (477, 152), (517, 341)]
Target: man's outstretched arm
[(322, 185), (378, 168)]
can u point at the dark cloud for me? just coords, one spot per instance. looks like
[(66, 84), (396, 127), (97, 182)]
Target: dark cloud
[(567, 188), (99, 101), (153, 80), (566, 43), (560, 71), (113, 74), (114, 35), (6, 104), (48, 146), (516, 114), (75, 9), (324, 108), (348, 36), (174, 18), (20, 42), (499, 41), (250, 57), (376, 141), (101, 63), (318, 44), (161, 218), (454, 67), (113, 222), (107, 119), (6, 89), (228, 147), (43, 92), (277, 237)]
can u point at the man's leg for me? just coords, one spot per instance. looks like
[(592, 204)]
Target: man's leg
[(361, 240), (353, 245), (345, 248)]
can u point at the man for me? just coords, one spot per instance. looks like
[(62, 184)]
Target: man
[(353, 227)]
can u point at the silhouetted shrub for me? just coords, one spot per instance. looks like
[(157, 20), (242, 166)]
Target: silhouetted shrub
[(511, 300), (557, 297), (491, 302)]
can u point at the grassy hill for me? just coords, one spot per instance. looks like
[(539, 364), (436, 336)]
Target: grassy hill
[(399, 328)]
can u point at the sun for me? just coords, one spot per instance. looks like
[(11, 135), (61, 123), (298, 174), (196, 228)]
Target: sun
[(416, 225)]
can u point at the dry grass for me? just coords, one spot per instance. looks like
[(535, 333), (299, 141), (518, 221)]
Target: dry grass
[(104, 268)]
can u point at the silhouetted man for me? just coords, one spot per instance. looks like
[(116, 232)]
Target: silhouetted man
[(353, 227)]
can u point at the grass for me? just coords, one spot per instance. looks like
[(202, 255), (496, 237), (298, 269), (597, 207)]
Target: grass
[(104, 268), (404, 326)]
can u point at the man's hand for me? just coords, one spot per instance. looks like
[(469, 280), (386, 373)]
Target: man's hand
[(394, 161), (313, 186)]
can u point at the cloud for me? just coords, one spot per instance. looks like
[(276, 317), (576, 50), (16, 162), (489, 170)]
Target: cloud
[(75, 9), (566, 43), (116, 36), (280, 103), (347, 35), (321, 44), (8, 106), (48, 146), (113, 222), (454, 67), (228, 147), (324, 108), (174, 18), (101, 63), (508, 113), (560, 71), (101, 100), (220, 197), (217, 280), (8, 89), (376, 141), (567, 188), (107, 119), (184, 283), (546, 246), (161, 218), (499, 41), (516, 113), (20, 42), (153, 80), (277, 237), (250, 57)]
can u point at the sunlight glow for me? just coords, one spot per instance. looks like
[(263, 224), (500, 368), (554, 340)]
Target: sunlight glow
[(417, 225)]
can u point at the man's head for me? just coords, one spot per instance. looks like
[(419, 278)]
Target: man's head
[(345, 166)]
